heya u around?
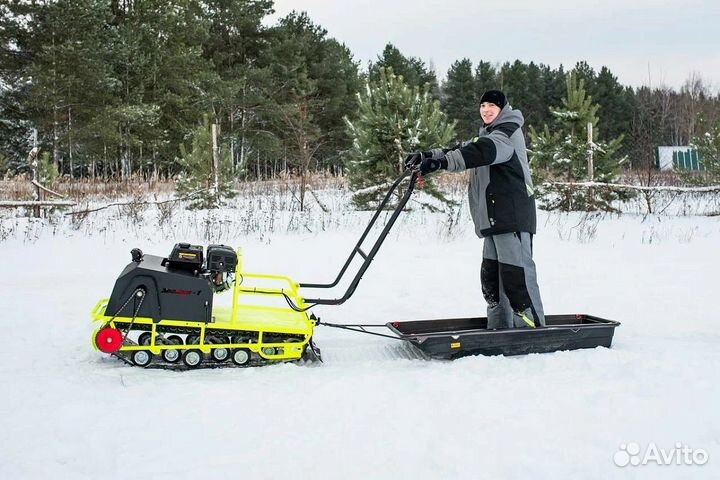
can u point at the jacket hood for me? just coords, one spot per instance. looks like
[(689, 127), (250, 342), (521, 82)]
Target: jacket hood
[(507, 114)]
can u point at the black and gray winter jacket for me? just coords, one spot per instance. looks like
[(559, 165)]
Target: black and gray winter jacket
[(501, 195)]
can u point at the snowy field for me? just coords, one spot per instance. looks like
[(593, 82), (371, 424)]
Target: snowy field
[(69, 412)]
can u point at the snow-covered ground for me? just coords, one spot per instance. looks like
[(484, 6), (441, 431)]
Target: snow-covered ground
[(67, 411)]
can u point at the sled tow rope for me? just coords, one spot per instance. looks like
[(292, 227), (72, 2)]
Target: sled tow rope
[(360, 328)]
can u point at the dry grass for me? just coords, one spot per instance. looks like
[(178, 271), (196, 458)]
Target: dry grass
[(80, 190), (20, 188), (137, 190)]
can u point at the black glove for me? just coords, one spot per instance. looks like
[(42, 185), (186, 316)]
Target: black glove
[(414, 160), (429, 165)]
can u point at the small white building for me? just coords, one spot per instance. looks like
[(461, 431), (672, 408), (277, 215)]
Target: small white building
[(679, 158)]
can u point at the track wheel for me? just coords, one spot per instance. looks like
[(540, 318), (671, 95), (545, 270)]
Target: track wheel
[(241, 356), (141, 358), (192, 358), (175, 340), (171, 356), (192, 339), (144, 338), (269, 351), (220, 354)]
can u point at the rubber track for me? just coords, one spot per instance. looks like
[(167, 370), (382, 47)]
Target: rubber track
[(308, 358)]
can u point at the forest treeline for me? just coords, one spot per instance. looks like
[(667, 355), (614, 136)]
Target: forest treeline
[(118, 88)]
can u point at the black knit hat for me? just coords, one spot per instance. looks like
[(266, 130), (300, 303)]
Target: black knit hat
[(494, 96)]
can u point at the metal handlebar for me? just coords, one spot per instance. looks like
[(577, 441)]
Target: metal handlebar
[(367, 257)]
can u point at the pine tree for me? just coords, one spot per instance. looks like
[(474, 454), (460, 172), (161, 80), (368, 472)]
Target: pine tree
[(197, 170), (555, 81), (708, 146), (14, 132), (486, 78), (338, 82), (47, 170), (4, 163), (162, 83), (514, 85), (311, 87), (63, 43), (109, 83), (459, 100), (236, 42), (394, 119), (315, 82), (617, 104), (524, 86), (578, 108), (561, 154), (413, 70), (14, 61)]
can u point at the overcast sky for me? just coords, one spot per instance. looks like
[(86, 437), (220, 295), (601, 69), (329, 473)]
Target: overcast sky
[(657, 42)]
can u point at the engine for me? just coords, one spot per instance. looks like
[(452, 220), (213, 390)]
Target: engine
[(177, 287)]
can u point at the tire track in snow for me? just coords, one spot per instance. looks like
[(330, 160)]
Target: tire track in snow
[(342, 352)]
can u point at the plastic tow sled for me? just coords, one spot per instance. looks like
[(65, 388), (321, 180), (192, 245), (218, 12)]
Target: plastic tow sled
[(453, 338)]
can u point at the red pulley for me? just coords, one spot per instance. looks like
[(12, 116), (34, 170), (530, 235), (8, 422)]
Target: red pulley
[(109, 340)]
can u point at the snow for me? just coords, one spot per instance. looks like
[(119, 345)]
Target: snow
[(68, 412)]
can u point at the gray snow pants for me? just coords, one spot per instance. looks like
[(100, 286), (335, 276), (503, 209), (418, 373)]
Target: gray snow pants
[(509, 282)]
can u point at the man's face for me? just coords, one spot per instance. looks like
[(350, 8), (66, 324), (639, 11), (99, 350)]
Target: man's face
[(488, 112)]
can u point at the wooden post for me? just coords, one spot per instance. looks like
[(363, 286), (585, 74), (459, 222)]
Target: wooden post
[(591, 167), (37, 192), (216, 164), (32, 160)]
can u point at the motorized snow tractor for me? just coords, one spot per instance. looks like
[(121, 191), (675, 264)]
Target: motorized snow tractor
[(166, 311), (163, 312)]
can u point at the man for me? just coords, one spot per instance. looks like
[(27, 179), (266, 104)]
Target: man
[(502, 206)]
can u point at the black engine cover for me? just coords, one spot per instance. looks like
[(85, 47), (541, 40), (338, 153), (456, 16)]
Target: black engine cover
[(170, 294), (221, 258)]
